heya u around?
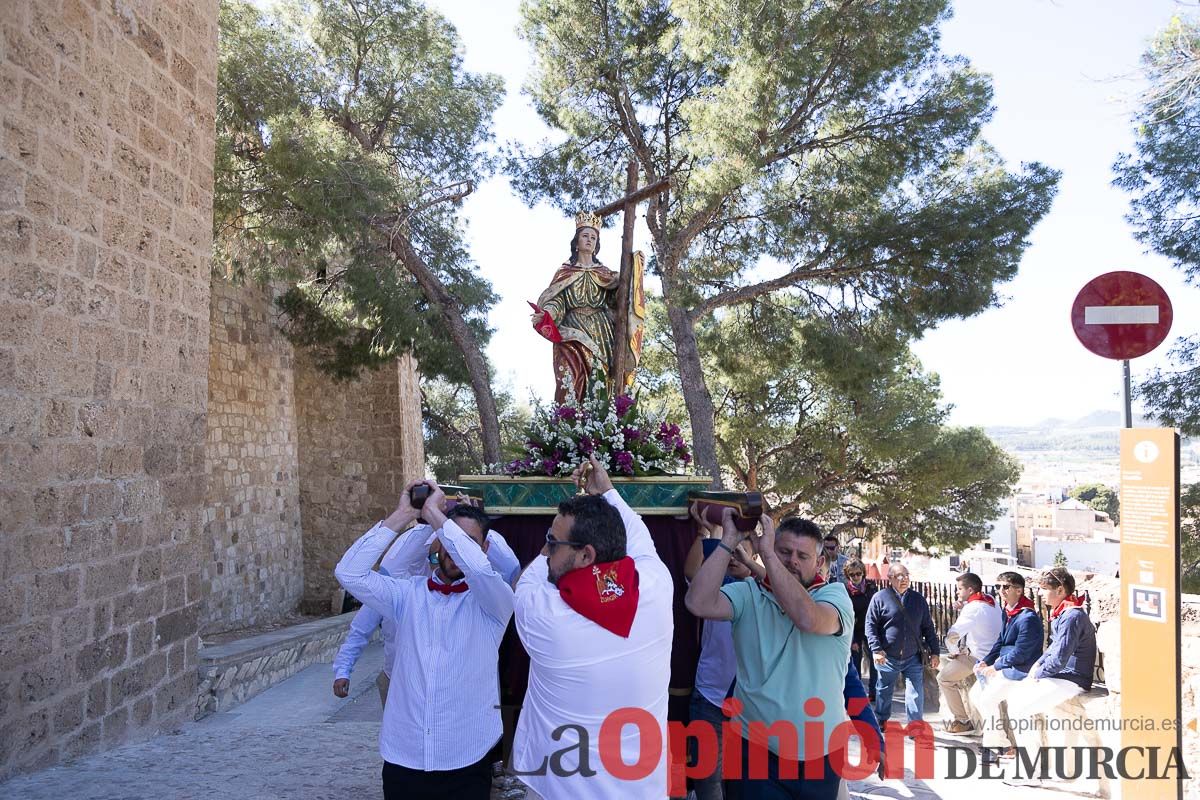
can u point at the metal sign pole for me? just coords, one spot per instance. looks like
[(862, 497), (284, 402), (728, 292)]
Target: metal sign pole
[(1127, 395)]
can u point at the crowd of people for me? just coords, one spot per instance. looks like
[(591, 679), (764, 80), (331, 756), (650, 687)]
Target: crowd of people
[(790, 627)]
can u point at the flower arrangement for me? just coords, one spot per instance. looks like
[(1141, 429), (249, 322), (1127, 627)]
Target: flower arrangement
[(623, 438)]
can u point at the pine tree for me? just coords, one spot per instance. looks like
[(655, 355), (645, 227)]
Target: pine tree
[(348, 131), (829, 151)]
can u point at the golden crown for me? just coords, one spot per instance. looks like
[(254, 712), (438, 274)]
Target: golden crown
[(586, 219)]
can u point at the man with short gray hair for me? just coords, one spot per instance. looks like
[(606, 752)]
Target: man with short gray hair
[(899, 626)]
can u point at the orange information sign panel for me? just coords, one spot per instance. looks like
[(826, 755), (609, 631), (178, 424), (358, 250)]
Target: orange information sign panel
[(1150, 592)]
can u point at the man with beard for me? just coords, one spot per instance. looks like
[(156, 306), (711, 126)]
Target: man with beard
[(442, 718), (791, 634), (594, 613)]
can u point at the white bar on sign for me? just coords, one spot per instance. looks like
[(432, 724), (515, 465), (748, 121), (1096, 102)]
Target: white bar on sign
[(1120, 315)]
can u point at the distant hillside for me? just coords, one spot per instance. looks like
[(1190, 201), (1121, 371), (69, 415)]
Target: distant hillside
[(1093, 436)]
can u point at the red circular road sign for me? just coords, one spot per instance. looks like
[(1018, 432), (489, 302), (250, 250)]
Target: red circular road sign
[(1121, 315)]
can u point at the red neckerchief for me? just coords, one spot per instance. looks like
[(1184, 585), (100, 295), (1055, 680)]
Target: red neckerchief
[(856, 590), (606, 593), (765, 582), (1070, 601), (983, 598), (447, 588), (1021, 605)]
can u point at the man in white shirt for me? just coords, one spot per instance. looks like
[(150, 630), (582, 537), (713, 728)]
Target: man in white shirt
[(968, 642), (594, 613), (442, 717), (402, 560)]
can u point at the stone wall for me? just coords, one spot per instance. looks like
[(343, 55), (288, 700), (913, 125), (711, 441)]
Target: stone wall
[(232, 673), (357, 451), (254, 568), (106, 170)]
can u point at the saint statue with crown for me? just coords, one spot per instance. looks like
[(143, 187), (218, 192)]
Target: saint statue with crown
[(578, 309)]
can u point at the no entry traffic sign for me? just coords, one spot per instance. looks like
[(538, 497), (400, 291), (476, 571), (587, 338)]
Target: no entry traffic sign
[(1121, 315)]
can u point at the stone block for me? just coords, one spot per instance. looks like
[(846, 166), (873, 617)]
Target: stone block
[(72, 630), (27, 735), (142, 711), (115, 726), (141, 640), (99, 420), (13, 602), (69, 713), (102, 619), (107, 653), (177, 625), (76, 461), (24, 644), (175, 696), (42, 680), (139, 678), (54, 591), (137, 606), (34, 285), (105, 580), (86, 742), (96, 701)]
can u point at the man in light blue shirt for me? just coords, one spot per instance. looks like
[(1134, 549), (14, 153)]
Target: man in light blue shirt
[(791, 634)]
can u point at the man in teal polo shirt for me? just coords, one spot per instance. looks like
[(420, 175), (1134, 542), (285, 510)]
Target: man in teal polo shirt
[(791, 635)]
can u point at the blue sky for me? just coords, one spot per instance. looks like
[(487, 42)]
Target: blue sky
[(1066, 76)]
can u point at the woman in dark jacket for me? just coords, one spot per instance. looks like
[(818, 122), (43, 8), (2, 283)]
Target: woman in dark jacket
[(861, 591)]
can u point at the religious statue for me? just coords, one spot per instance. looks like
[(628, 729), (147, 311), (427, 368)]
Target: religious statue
[(578, 311)]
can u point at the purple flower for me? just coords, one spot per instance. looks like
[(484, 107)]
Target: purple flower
[(549, 466), (632, 434), (624, 461), (623, 403), (565, 412), (586, 445)]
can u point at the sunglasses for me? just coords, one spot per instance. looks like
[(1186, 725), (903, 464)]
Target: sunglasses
[(1003, 586), (552, 543), (854, 574)]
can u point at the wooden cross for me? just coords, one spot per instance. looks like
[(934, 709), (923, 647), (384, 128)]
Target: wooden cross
[(627, 204)]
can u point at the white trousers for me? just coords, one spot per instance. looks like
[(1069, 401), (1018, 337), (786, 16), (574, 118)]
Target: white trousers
[(1029, 700)]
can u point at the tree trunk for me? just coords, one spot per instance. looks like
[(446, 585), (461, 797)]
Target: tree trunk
[(695, 391), (460, 333)]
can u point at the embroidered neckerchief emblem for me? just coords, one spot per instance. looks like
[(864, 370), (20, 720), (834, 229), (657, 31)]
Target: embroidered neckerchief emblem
[(607, 585)]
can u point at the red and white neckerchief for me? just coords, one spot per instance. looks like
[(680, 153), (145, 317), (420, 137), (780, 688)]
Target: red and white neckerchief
[(605, 592), (1070, 601), (1022, 604), (856, 589), (982, 598)]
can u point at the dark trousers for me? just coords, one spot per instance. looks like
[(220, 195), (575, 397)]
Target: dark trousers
[(472, 782), (773, 787)]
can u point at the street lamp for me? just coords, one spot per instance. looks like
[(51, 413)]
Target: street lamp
[(860, 528)]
